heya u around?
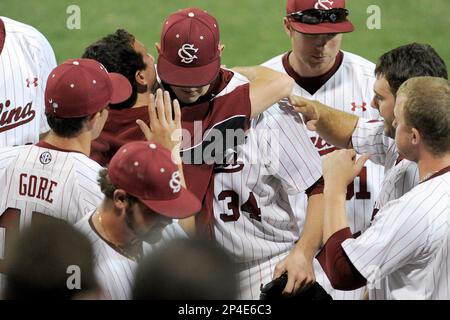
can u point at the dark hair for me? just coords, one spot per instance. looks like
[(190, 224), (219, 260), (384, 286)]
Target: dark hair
[(409, 61), (66, 127), (108, 188), (40, 262), (117, 54), (186, 269)]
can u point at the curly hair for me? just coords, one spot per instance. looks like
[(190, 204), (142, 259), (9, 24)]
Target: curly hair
[(117, 54)]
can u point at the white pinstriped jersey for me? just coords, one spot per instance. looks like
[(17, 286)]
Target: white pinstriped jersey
[(401, 175), (254, 220), (114, 271), (25, 63), (350, 89), (405, 252), (38, 182)]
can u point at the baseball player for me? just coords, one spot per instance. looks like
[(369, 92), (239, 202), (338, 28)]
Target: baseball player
[(404, 253), (213, 99), (376, 138), (254, 219), (323, 72), (141, 198), (121, 52), (55, 178), (26, 59)]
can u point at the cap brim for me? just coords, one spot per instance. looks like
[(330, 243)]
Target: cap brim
[(184, 206), (121, 88), (187, 76), (326, 27)]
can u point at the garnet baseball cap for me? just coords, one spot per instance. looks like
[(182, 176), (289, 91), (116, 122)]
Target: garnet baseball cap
[(82, 87), (190, 55), (146, 171), (324, 27)]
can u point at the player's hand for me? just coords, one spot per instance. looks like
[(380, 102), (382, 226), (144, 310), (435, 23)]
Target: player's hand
[(309, 110), (300, 271), (341, 167), (165, 124)]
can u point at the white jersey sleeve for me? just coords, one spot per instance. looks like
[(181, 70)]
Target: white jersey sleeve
[(407, 240), (369, 138)]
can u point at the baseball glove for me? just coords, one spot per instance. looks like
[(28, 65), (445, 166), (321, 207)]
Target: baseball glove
[(273, 291)]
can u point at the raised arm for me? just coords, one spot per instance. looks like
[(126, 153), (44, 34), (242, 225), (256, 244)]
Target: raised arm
[(165, 129), (267, 87), (334, 126)]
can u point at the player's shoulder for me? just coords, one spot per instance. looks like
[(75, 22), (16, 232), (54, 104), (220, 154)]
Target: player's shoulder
[(32, 37), (358, 64), (236, 80), (405, 167), (275, 63), (428, 193), (84, 225), (85, 164), (8, 154)]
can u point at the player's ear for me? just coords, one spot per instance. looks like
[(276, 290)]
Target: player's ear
[(415, 137), (139, 77), (120, 199), (221, 48), (158, 47), (287, 26), (93, 120)]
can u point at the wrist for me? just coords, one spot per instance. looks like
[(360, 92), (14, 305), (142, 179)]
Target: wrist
[(334, 189), (306, 249)]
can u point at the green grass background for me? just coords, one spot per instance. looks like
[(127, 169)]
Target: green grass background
[(251, 30)]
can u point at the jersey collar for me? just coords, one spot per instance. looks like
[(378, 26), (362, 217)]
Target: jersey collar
[(47, 145), (312, 84), (437, 174)]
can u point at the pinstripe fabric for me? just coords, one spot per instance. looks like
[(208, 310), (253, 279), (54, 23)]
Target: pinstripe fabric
[(404, 254), (278, 159), (401, 175), (350, 90), (38, 181), (25, 62)]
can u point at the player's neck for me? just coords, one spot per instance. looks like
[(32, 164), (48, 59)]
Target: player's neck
[(143, 99), (307, 71), (430, 164), (112, 228), (81, 143)]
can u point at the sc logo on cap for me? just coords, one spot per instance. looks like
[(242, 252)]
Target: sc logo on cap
[(175, 182), (187, 53), (324, 4)]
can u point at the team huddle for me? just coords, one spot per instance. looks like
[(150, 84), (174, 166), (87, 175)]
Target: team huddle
[(179, 172)]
